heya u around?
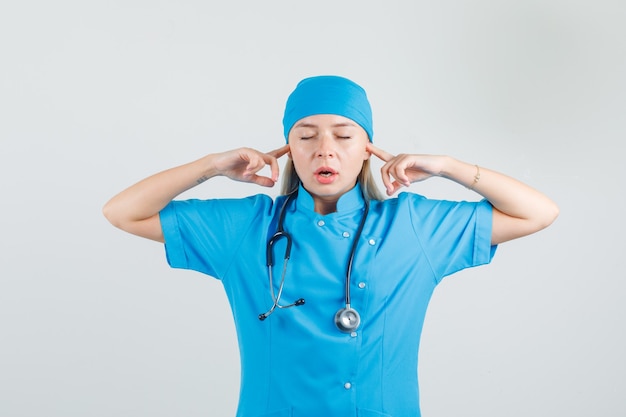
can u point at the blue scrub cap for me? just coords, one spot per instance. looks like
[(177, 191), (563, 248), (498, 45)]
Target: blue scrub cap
[(328, 94)]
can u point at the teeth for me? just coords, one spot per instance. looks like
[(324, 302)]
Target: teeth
[(325, 174)]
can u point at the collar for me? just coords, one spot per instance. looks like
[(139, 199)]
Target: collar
[(349, 201)]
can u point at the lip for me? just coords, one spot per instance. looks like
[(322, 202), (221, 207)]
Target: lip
[(320, 170), (325, 175)]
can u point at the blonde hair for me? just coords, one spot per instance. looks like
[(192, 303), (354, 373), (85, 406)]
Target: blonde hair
[(291, 181)]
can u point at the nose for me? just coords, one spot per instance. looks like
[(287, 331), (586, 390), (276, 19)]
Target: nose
[(325, 147)]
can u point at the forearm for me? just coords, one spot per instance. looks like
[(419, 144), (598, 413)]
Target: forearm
[(508, 195)]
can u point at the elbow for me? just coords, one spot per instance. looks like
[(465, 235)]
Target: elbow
[(552, 214), (549, 215), (149, 227), (109, 213), (506, 227)]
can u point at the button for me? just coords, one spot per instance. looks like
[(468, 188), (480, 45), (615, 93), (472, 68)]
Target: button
[(353, 334), (321, 223), (371, 242), (347, 385), (361, 285), (345, 234)]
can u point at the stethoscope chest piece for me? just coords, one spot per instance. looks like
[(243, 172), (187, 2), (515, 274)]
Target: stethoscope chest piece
[(347, 319)]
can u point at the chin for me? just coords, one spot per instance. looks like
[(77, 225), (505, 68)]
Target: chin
[(327, 190)]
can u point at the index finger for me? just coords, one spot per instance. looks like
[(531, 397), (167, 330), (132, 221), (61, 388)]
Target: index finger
[(384, 155), (271, 158), (277, 153)]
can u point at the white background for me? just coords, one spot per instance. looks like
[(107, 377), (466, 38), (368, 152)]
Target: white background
[(96, 95)]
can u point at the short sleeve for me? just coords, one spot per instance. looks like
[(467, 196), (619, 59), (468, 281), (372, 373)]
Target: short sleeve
[(454, 234), (204, 235)]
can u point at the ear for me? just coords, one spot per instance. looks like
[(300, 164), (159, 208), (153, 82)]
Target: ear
[(366, 154)]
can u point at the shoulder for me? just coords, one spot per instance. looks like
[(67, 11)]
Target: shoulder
[(402, 200), (224, 210), (258, 201), (417, 204)]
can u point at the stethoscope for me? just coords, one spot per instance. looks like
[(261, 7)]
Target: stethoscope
[(347, 319)]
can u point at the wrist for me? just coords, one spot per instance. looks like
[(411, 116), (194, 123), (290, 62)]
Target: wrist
[(476, 178), (206, 168), (447, 167), (463, 173)]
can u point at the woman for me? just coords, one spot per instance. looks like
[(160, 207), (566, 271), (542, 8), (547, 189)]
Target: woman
[(350, 271)]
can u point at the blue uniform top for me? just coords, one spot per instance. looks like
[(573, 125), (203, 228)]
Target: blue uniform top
[(297, 363)]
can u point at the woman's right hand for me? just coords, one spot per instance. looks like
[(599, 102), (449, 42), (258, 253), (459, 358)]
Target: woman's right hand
[(243, 164)]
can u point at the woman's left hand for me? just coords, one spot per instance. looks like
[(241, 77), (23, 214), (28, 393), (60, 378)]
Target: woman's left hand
[(404, 169), (518, 209)]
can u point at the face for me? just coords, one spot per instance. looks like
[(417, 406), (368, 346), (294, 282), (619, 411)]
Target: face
[(328, 153)]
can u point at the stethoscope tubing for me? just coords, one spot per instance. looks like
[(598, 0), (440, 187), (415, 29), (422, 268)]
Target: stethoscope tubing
[(347, 319)]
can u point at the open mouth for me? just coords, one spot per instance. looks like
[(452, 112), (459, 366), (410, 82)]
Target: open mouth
[(325, 175), (325, 172)]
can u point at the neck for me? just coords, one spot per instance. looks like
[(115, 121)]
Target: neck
[(324, 207)]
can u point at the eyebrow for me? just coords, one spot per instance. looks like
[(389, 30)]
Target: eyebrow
[(313, 125)]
